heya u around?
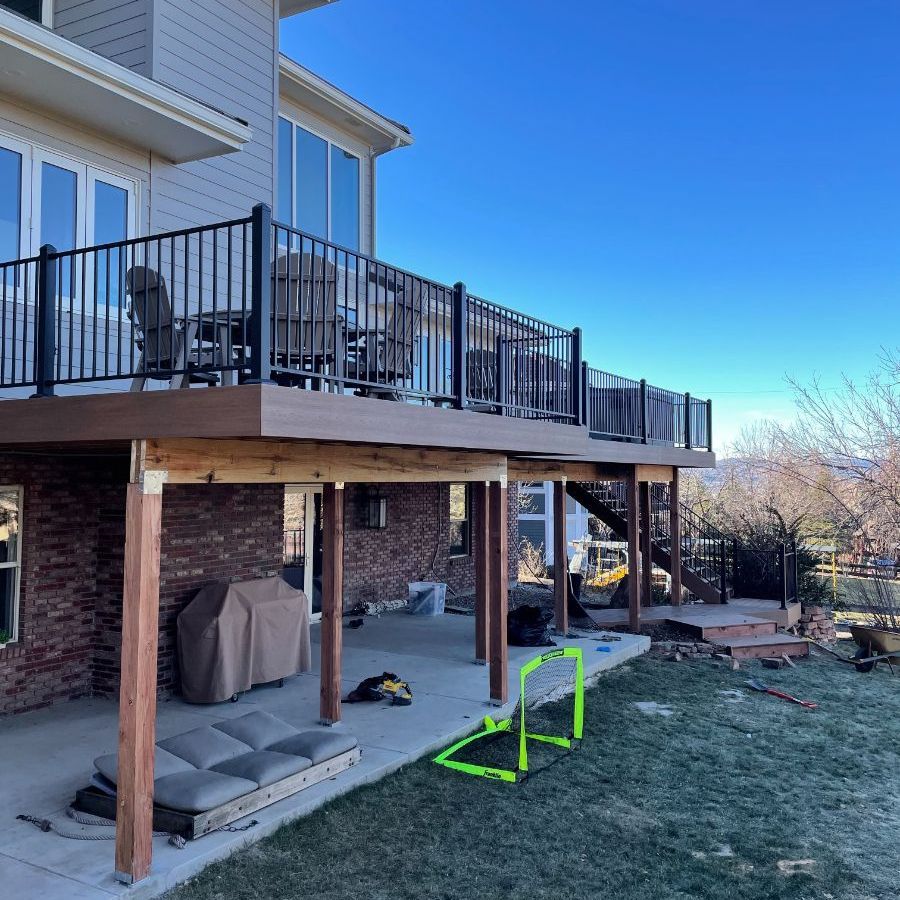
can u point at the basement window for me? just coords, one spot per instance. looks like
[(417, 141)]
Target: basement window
[(460, 520), (10, 561)]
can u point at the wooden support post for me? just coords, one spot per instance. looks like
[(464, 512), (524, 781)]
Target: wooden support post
[(482, 570), (137, 693), (499, 581), (675, 537), (560, 560), (646, 544), (332, 601), (634, 552)]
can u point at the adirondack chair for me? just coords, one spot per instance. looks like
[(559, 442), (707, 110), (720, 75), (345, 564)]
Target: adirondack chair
[(386, 358), (166, 344), (308, 332)]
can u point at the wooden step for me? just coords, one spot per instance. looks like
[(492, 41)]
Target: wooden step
[(713, 622), (758, 646)]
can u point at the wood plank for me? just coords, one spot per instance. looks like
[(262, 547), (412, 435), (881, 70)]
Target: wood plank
[(332, 602), (560, 561), (654, 473), (675, 533), (198, 461), (526, 469), (634, 553), (482, 570), (499, 601), (646, 526), (137, 694)]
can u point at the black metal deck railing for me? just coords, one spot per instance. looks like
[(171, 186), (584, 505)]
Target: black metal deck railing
[(252, 300)]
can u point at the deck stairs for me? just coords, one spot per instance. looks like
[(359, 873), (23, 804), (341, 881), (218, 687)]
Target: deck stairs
[(703, 545), (746, 627)]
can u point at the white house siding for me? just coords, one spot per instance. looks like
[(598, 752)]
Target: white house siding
[(120, 30), (69, 140), (224, 53)]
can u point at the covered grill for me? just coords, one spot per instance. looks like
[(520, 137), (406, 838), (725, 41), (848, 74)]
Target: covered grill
[(234, 635)]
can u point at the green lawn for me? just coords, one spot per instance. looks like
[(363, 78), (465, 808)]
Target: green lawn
[(730, 796)]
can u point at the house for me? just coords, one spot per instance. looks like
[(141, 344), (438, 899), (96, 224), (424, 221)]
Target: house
[(207, 373)]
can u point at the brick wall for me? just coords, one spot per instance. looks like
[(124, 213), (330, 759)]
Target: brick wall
[(53, 657), (415, 545), (73, 542)]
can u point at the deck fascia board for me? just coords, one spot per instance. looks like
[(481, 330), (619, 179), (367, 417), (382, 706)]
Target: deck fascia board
[(278, 413)]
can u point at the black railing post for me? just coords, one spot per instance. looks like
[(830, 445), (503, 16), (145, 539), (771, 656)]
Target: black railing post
[(459, 334), (259, 325), (734, 564), (645, 430), (784, 576), (575, 377), (687, 421), (709, 425), (795, 573), (723, 582), (585, 395), (45, 351), (502, 375)]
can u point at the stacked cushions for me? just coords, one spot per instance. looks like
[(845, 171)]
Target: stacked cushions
[(215, 764)]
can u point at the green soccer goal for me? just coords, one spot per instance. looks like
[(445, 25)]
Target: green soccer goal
[(550, 709)]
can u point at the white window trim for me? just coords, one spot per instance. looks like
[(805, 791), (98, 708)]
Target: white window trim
[(16, 564), (330, 142), (467, 520), (47, 13), (33, 155), (309, 515)]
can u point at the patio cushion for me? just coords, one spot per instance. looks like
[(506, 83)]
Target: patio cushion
[(316, 745), (164, 763), (204, 747), (265, 767), (199, 790), (257, 729)]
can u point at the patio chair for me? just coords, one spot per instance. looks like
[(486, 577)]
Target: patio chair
[(166, 343), (308, 332), (481, 368), (386, 358)]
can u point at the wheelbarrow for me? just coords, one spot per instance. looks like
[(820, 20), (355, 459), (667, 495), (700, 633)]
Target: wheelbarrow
[(875, 645)]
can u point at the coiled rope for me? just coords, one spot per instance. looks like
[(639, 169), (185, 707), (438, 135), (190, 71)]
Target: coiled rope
[(82, 818)]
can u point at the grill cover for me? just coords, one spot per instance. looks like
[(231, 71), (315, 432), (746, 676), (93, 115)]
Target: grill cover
[(234, 635)]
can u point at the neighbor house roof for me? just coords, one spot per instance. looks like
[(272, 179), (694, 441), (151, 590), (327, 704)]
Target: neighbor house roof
[(312, 91)]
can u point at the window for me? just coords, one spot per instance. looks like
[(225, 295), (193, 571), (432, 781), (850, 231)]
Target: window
[(36, 10), (318, 185), (460, 520), (10, 561), (47, 198)]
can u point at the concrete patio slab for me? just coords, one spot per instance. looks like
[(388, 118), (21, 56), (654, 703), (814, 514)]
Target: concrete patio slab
[(51, 751)]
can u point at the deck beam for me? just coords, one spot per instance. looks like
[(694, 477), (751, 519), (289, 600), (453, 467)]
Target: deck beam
[(499, 600), (202, 461), (137, 692), (634, 553), (675, 537), (482, 570), (560, 560), (646, 526), (332, 602)]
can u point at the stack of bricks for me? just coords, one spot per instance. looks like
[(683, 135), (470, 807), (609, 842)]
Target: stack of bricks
[(817, 624)]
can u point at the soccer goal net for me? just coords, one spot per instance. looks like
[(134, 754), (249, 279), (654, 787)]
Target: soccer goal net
[(550, 711)]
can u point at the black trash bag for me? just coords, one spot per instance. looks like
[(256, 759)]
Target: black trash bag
[(526, 626)]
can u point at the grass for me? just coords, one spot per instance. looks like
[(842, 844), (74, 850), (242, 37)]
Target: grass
[(732, 795)]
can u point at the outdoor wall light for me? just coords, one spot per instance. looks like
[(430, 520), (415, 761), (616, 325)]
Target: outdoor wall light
[(376, 511)]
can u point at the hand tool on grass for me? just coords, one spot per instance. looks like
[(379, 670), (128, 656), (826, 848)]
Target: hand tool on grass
[(757, 685)]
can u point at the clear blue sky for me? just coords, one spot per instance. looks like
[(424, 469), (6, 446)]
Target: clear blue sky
[(710, 188)]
